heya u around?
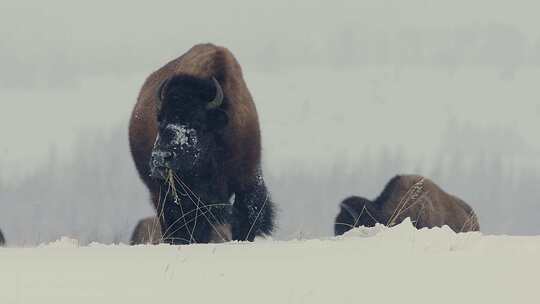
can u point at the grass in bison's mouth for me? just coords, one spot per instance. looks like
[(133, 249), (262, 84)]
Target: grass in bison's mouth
[(171, 183), (202, 209)]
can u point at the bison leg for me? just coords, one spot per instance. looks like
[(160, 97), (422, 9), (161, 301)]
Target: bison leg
[(253, 213)]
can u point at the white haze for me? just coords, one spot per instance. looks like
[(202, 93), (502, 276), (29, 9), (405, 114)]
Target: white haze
[(349, 93)]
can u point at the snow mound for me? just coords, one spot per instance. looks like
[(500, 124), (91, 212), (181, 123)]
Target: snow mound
[(438, 238), (63, 242), (377, 265)]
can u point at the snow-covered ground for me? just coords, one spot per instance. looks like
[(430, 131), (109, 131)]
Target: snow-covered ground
[(380, 265)]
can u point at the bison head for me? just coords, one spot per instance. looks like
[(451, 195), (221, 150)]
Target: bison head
[(355, 211), (190, 115)]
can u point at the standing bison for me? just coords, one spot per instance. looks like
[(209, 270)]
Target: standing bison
[(2, 239), (194, 136), (406, 196)]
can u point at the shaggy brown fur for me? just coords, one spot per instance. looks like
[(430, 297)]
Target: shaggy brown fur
[(242, 135), (408, 196), (241, 155), (147, 231)]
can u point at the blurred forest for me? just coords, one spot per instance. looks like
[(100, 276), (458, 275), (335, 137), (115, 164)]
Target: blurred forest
[(96, 194)]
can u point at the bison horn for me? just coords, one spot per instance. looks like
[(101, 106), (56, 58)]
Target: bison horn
[(218, 100)]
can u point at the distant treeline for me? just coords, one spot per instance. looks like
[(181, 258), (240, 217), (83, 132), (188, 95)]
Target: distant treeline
[(96, 195)]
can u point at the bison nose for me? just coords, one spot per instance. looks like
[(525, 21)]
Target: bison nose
[(165, 155), (159, 162), (161, 158)]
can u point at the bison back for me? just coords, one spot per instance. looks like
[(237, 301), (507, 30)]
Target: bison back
[(432, 206)]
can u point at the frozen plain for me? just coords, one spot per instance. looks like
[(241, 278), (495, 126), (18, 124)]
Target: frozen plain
[(381, 265)]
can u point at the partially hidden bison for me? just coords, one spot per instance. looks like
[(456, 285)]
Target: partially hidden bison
[(407, 196), (195, 139), (147, 231), (2, 239)]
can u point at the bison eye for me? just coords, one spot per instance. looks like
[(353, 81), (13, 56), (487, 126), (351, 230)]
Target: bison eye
[(217, 119)]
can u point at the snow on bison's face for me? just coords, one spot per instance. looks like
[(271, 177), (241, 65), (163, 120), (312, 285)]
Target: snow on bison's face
[(190, 114)]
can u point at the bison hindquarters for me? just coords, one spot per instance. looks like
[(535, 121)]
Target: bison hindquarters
[(147, 231), (2, 239)]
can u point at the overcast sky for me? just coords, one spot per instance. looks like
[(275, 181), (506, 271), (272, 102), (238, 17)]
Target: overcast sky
[(69, 65)]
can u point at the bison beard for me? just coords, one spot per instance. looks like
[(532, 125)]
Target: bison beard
[(195, 139)]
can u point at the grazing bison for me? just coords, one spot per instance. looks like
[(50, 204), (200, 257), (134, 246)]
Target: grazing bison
[(194, 136), (407, 196), (147, 231)]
